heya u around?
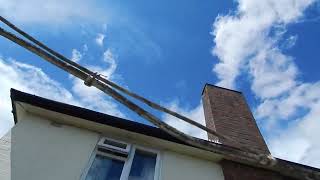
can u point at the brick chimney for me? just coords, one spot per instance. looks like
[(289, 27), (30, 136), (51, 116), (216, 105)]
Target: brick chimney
[(227, 112)]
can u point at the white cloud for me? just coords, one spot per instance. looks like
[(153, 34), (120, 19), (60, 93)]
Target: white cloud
[(241, 36), (290, 42), (300, 142), (33, 80), (29, 79), (76, 55), (272, 73), (94, 98), (108, 57), (99, 39), (195, 114), (249, 42), (302, 96), (52, 12)]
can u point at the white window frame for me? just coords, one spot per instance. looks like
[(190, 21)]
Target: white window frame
[(127, 166), (127, 161), (108, 146)]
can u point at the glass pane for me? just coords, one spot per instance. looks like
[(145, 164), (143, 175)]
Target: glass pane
[(143, 166), (105, 168)]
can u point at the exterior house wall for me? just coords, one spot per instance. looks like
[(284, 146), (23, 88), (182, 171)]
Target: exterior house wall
[(180, 167), (42, 150), (5, 149)]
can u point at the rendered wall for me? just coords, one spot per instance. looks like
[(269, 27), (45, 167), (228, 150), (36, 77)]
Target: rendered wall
[(179, 167), (5, 149), (41, 150)]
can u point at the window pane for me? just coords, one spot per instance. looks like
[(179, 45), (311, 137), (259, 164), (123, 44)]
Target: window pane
[(143, 166), (105, 168)]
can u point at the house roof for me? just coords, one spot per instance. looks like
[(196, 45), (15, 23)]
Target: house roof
[(90, 115), (101, 118), (98, 117)]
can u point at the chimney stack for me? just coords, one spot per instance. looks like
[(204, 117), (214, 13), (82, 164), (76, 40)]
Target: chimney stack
[(227, 112)]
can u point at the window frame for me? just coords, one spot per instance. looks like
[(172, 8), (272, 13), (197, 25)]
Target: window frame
[(127, 161), (102, 144)]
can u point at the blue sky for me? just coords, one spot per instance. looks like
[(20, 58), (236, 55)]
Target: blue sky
[(166, 51)]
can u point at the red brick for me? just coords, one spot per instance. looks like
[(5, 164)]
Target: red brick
[(236, 171), (227, 112)]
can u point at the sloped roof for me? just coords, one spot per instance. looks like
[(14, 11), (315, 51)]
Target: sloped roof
[(90, 115)]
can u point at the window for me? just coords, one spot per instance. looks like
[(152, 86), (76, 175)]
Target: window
[(104, 168), (116, 160), (143, 166)]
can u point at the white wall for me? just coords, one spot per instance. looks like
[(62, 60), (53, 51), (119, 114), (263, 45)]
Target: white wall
[(42, 151), (179, 167), (5, 149)]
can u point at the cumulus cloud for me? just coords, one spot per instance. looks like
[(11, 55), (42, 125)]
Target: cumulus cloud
[(250, 42), (52, 12), (34, 80), (195, 114), (272, 73), (241, 36)]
